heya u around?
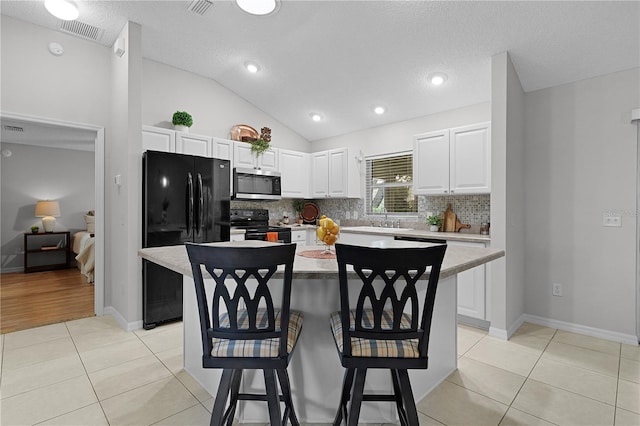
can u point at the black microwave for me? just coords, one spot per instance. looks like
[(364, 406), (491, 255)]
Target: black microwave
[(254, 184)]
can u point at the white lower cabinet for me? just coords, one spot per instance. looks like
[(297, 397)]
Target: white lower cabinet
[(362, 239), (236, 237), (471, 287), (299, 236)]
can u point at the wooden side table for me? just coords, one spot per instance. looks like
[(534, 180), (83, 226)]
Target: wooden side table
[(42, 251)]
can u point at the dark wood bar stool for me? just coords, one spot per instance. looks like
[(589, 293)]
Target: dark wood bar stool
[(241, 330), (385, 329)]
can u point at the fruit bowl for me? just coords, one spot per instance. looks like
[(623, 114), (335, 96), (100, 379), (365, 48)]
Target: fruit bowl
[(327, 232)]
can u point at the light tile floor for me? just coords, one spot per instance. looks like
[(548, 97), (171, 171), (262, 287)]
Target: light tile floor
[(91, 372)]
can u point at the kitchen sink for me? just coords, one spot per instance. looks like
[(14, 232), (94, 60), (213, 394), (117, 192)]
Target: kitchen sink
[(376, 229)]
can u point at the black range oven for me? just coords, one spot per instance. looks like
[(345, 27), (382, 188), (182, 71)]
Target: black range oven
[(255, 223)]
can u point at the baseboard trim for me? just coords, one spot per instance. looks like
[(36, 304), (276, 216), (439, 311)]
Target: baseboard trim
[(629, 339), (498, 333), (11, 270), (473, 322), (122, 322)]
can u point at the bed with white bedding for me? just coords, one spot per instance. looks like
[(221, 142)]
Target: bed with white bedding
[(83, 247)]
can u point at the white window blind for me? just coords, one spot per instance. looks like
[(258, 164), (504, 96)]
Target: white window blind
[(390, 185)]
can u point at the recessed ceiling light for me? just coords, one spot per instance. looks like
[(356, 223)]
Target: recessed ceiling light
[(379, 109), (66, 10), (258, 7), (252, 67), (437, 78), (315, 116)]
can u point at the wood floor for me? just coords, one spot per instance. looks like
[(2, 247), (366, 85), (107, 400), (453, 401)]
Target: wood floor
[(41, 298)]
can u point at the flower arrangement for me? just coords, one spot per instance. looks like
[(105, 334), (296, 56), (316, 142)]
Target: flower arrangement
[(263, 143), (298, 206)]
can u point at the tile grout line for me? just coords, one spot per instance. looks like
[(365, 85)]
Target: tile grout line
[(525, 382)]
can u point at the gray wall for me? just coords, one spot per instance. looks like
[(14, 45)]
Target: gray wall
[(33, 173), (581, 154)]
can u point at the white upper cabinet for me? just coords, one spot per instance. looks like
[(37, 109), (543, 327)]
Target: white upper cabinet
[(222, 149), (244, 158), (335, 173), (158, 139), (187, 143), (453, 161), (470, 157), (294, 170)]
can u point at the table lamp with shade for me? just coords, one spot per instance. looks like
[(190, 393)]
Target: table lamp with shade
[(48, 210)]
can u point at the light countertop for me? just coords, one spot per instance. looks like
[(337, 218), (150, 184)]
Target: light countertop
[(456, 260), (419, 233)]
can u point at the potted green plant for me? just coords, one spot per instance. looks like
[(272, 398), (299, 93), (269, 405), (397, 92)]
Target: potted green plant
[(35, 229), (298, 206), (434, 223), (263, 143), (182, 120)]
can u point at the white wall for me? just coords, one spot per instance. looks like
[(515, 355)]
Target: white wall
[(72, 87), (398, 136), (215, 109), (581, 156), (34, 173)]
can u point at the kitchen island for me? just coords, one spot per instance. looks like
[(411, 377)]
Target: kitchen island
[(315, 369)]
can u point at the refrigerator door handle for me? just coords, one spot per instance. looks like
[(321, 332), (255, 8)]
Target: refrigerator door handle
[(189, 203), (200, 205)]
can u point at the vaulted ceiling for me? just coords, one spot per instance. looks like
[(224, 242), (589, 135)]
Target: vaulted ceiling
[(342, 58)]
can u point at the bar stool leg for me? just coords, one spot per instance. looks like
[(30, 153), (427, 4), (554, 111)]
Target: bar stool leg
[(233, 401), (407, 395), (402, 415), (221, 397), (347, 384), (285, 385), (273, 398), (357, 396)]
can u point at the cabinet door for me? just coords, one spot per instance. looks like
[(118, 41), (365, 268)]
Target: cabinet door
[(187, 143), (242, 155), (320, 174), (158, 139), (299, 237), (358, 239), (338, 173), (294, 170), (268, 160), (431, 163), (471, 287), (222, 149), (470, 159)]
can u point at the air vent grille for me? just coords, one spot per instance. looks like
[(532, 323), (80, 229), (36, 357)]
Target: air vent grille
[(81, 29), (9, 128), (200, 7)]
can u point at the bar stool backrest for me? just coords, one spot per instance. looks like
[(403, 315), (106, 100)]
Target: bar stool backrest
[(238, 265), (399, 269)]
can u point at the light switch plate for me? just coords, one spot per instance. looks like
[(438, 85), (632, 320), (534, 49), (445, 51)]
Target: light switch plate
[(609, 219)]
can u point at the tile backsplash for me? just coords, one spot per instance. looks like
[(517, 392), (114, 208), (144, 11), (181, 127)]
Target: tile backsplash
[(473, 209)]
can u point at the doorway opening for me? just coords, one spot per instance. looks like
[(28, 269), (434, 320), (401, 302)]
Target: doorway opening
[(45, 136)]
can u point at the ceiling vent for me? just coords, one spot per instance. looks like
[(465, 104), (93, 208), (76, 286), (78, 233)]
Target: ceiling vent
[(81, 29), (200, 7), (12, 128)]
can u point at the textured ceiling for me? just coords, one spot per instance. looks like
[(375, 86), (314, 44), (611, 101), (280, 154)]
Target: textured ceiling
[(340, 58)]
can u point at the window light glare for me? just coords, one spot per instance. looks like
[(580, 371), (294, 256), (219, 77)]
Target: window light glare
[(252, 68), (379, 110), (437, 79), (63, 9), (257, 7)]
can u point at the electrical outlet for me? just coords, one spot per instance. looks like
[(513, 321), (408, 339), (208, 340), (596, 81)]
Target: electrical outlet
[(609, 219), (557, 289)]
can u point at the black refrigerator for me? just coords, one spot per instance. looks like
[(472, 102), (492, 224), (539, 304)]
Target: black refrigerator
[(185, 199)]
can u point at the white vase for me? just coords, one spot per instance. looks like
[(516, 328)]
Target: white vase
[(433, 228), (181, 128)]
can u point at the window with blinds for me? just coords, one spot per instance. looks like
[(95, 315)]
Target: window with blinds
[(390, 185)]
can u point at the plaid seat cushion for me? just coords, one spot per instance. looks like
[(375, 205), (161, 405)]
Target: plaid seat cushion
[(407, 348), (265, 348)]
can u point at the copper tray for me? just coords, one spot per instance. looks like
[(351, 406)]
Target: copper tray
[(244, 133)]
